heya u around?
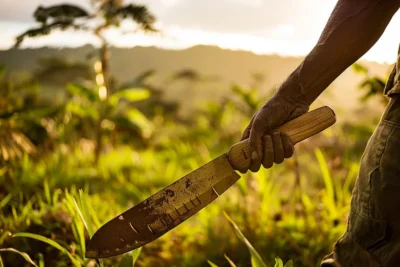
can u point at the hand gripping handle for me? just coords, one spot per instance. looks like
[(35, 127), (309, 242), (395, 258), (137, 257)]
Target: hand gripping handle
[(298, 129)]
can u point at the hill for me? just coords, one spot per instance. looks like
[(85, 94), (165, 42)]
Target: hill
[(226, 66)]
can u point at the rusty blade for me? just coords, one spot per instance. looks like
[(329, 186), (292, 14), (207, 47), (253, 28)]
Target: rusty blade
[(163, 211)]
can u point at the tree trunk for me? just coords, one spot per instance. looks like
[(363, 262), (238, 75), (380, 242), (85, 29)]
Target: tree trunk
[(104, 58), (98, 142), (105, 66)]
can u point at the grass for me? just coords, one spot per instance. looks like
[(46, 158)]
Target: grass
[(280, 217), (52, 202)]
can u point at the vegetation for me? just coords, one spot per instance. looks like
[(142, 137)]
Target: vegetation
[(58, 185), (51, 191)]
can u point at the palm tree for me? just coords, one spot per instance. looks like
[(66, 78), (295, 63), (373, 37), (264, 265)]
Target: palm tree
[(105, 15)]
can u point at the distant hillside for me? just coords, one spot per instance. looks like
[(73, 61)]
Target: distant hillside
[(227, 65)]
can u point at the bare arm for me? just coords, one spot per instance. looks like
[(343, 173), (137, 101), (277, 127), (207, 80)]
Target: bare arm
[(353, 28)]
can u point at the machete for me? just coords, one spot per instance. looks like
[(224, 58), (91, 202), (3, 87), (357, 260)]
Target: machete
[(177, 202)]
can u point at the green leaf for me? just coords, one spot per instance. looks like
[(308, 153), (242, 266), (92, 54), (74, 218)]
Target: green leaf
[(23, 254), (135, 254), (46, 189), (212, 264), (278, 262), (51, 243), (137, 117), (133, 119), (129, 259), (130, 94), (289, 264), (358, 68), (5, 200), (82, 91), (40, 259), (256, 259), (229, 261), (82, 111), (126, 260), (5, 235)]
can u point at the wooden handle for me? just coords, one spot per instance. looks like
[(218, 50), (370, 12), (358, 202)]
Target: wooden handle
[(298, 129)]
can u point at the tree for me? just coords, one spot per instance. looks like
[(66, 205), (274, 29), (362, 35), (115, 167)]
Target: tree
[(371, 85), (105, 15)]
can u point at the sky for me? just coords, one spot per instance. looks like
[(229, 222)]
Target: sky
[(284, 27)]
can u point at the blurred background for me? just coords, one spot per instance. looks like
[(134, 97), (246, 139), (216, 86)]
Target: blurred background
[(105, 102)]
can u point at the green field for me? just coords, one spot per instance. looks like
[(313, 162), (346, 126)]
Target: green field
[(60, 183)]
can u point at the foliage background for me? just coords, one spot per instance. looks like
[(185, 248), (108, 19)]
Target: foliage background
[(72, 157)]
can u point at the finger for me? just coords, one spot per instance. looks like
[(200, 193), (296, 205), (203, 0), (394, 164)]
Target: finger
[(288, 147), (243, 171), (278, 148), (268, 157), (256, 147), (246, 133)]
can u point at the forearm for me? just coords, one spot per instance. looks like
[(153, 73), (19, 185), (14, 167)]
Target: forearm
[(353, 28)]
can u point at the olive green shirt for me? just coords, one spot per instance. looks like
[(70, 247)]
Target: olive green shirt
[(393, 83)]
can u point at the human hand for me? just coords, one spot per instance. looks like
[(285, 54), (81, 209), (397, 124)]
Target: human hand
[(266, 147)]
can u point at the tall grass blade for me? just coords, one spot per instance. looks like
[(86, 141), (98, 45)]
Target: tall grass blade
[(5, 200), (51, 243), (327, 181), (135, 254), (41, 260), (278, 262), (4, 235), (325, 173), (23, 254), (230, 261), (86, 213), (212, 264), (80, 213), (46, 189), (92, 212), (256, 259)]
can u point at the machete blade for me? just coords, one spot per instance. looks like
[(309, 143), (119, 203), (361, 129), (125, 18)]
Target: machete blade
[(163, 211)]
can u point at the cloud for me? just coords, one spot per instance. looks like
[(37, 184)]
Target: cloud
[(262, 26), (228, 16), (241, 16)]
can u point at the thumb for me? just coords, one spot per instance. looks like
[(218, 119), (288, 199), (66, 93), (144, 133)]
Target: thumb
[(297, 112), (246, 133)]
